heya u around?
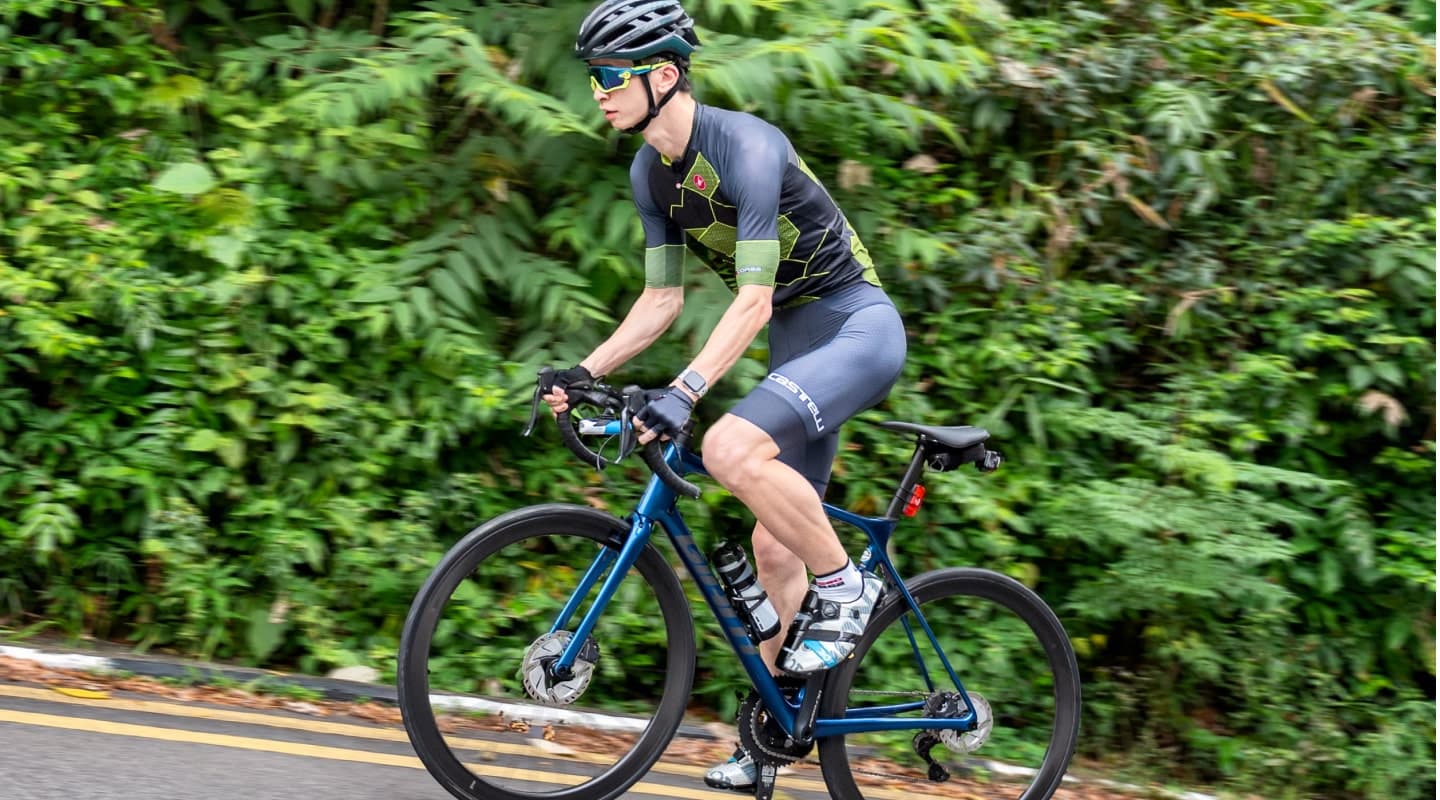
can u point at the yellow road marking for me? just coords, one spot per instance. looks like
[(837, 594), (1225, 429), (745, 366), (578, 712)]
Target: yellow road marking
[(212, 714), (315, 751), (352, 730), (198, 737), (341, 729)]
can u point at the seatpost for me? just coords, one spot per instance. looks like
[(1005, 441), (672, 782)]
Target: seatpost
[(907, 483)]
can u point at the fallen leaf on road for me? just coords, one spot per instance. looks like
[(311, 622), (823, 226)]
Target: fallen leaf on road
[(304, 708), (83, 694), (553, 748)]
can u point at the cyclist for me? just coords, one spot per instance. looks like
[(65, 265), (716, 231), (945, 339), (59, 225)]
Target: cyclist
[(730, 189)]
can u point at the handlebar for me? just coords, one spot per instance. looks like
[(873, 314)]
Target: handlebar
[(619, 408)]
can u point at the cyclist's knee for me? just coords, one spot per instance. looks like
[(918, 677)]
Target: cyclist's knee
[(734, 450)]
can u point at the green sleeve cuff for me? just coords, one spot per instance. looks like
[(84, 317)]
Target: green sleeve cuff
[(665, 266), (756, 262)]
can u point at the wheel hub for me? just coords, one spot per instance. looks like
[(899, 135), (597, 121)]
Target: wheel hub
[(537, 669), (950, 705)]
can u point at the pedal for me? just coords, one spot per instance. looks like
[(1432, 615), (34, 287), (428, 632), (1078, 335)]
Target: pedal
[(765, 782)]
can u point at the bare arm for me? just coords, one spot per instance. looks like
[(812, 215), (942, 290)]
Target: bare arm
[(746, 316), (653, 313)]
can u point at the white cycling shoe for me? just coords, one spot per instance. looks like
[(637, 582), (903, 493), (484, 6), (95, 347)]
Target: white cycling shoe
[(825, 632), (736, 775)]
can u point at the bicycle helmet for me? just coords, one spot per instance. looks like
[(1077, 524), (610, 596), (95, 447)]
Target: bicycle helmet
[(637, 29)]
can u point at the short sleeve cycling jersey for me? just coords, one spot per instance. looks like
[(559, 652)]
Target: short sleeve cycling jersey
[(745, 204)]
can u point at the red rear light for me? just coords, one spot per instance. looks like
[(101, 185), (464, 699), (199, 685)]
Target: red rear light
[(916, 497)]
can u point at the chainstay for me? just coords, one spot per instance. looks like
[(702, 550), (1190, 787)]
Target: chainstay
[(786, 760), (886, 775)]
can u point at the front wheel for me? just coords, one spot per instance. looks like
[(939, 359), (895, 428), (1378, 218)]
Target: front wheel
[(1013, 660), (486, 712)]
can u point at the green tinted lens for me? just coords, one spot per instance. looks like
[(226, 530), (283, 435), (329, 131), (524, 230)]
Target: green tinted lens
[(608, 79)]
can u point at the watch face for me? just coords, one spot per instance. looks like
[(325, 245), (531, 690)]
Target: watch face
[(693, 382)]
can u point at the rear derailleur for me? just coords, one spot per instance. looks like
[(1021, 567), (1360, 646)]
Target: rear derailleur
[(949, 705)]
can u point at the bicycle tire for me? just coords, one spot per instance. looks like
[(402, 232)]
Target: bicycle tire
[(929, 590), (413, 676)]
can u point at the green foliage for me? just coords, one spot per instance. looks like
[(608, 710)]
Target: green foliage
[(275, 276)]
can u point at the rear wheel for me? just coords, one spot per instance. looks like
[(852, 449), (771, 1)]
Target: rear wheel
[(486, 714), (1013, 659)]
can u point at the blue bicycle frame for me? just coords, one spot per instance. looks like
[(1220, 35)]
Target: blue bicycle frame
[(657, 505)]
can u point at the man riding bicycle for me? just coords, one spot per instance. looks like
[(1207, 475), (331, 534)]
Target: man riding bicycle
[(729, 188)]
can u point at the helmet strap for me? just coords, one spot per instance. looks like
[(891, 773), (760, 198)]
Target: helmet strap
[(654, 105)]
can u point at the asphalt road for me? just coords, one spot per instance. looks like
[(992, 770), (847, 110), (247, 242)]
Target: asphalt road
[(131, 747)]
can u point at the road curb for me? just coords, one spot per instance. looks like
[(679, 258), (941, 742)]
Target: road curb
[(200, 672), (329, 688)]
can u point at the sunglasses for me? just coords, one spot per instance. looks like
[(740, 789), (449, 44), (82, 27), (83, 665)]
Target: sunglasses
[(613, 79)]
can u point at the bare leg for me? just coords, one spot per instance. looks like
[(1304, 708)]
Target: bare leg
[(742, 457), (782, 573), (791, 531)]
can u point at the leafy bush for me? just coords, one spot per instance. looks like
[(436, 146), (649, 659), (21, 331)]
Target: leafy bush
[(276, 278)]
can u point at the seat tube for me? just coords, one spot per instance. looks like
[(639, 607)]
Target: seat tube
[(907, 483)]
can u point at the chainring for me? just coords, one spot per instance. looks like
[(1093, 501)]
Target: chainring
[(542, 654), (763, 738)]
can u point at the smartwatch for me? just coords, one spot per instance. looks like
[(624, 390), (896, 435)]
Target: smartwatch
[(693, 381)]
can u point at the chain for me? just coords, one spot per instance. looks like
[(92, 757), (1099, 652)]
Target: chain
[(778, 759), (750, 711), (883, 775), (784, 759), (888, 777)]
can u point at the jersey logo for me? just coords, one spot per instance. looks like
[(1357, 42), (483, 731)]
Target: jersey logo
[(699, 182)]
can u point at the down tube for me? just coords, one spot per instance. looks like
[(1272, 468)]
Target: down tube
[(730, 622)]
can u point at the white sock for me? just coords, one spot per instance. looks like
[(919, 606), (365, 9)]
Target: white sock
[(842, 586)]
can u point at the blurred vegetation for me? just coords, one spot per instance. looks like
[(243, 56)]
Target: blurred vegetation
[(275, 276)]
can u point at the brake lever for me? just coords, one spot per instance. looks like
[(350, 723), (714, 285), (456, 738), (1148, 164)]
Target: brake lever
[(627, 434), (534, 412), (535, 400), (634, 401)]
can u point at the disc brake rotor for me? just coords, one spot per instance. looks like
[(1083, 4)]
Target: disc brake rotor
[(540, 657), (963, 741)]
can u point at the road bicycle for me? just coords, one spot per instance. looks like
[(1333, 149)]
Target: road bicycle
[(561, 632)]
